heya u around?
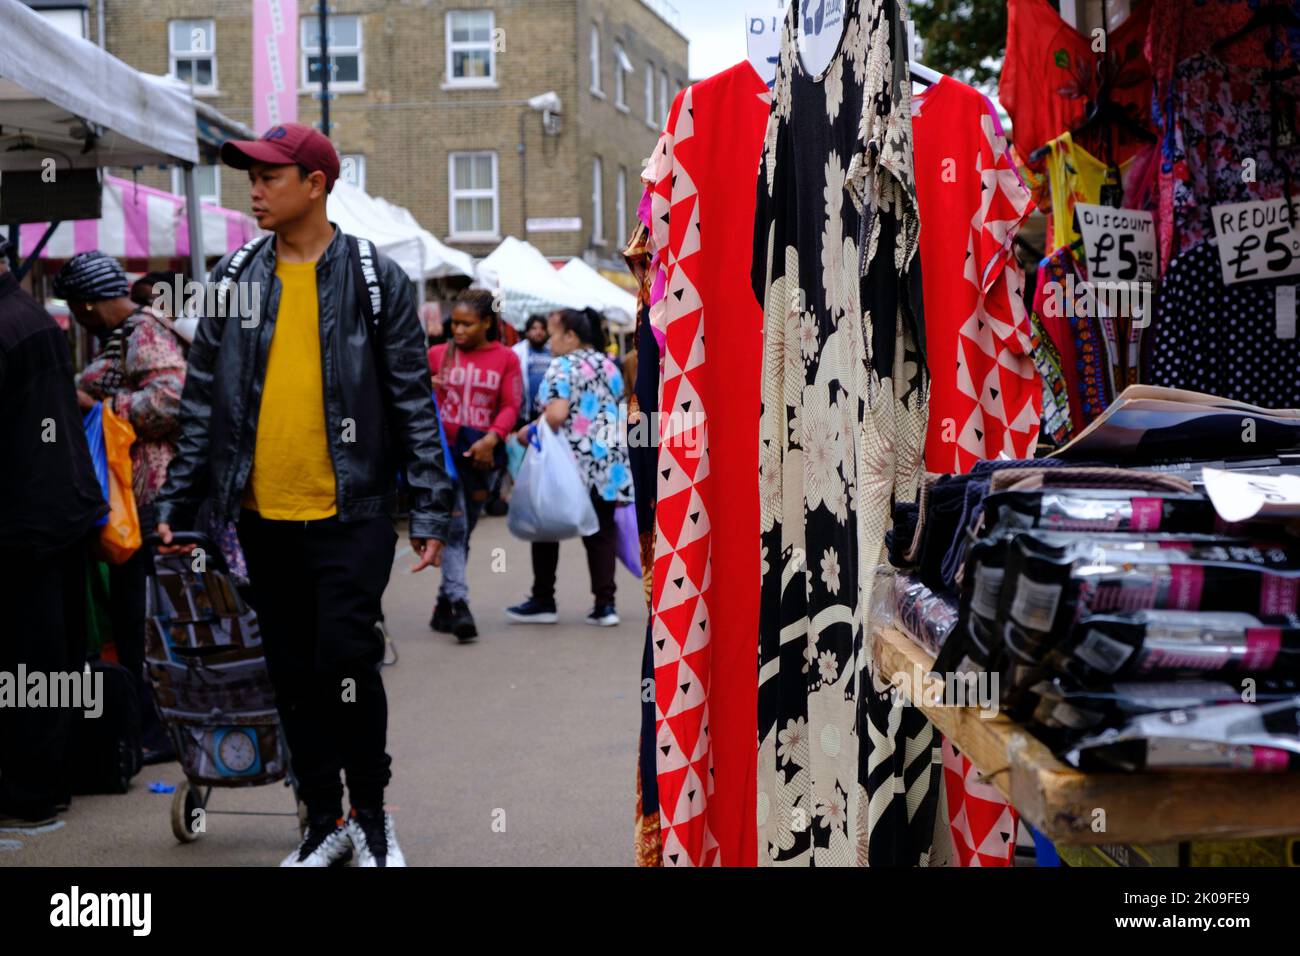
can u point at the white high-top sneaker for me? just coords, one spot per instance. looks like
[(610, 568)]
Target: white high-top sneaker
[(374, 837), (322, 846)]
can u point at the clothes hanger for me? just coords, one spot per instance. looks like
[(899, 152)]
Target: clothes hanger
[(924, 75)]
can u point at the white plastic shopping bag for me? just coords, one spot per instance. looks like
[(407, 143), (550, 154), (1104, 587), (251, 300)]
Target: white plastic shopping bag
[(550, 500)]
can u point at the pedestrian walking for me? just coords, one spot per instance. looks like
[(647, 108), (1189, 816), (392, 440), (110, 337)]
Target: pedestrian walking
[(479, 389), (580, 396), (140, 373), (534, 352), (51, 504), (297, 419)]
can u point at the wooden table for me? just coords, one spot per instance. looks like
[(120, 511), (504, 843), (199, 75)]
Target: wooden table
[(1078, 809)]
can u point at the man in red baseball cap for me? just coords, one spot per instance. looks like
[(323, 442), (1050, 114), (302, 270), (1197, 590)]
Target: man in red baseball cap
[(295, 421)]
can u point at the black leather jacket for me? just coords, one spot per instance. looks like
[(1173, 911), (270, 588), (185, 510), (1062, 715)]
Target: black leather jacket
[(378, 408)]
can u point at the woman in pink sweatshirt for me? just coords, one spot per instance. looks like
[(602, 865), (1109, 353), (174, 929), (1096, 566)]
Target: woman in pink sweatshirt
[(479, 388)]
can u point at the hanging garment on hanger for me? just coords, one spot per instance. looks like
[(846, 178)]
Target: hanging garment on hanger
[(1050, 73), (845, 775), (706, 564), (986, 397), (1076, 176), (1235, 341), (1220, 145), (639, 257)]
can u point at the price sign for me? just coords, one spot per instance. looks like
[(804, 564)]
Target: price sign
[(1120, 243), (763, 33), (1256, 240), (1241, 496)]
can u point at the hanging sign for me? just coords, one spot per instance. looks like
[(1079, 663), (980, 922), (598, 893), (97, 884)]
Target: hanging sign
[(763, 38), (820, 24), (1120, 244), (1256, 241)]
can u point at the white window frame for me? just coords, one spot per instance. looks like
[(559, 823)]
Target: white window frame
[(650, 95), (359, 159), (622, 70), (596, 89), (174, 55), (620, 208), (305, 53), (451, 81), (178, 184), (597, 202), (453, 193), (665, 104)]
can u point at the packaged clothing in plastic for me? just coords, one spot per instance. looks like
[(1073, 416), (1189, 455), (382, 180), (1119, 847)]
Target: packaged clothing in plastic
[(551, 502), (1263, 738)]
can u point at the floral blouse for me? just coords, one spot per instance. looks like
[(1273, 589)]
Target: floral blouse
[(592, 385), (141, 372)]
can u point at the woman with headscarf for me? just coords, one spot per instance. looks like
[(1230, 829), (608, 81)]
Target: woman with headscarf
[(140, 373)]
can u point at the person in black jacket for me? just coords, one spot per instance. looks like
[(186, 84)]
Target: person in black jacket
[(50, 503), (299, 408)]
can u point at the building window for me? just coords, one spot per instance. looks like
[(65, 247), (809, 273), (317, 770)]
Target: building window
[(352, 169), (207, 179), (346, 60), (597, 203), (664, 104), (620, 208), (473, 195), (471, 55), (192, 47), (595, 61), (650, 95), (622, 70)]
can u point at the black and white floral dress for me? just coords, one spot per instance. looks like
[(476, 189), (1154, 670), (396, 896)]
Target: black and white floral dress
[(845, 397)]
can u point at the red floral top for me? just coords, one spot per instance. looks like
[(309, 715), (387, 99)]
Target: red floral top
[(141, 372)]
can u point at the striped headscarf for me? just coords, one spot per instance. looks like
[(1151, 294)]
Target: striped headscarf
[(91, 277)]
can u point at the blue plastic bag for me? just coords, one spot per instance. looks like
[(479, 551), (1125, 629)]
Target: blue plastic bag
[(93, 423), (550, 501)]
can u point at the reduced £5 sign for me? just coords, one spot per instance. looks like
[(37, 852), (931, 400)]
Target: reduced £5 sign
[(1258, 240)]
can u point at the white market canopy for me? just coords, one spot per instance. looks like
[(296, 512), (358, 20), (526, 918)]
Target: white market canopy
[(527, 282), (617, 305), (57, 89), (396, 233)]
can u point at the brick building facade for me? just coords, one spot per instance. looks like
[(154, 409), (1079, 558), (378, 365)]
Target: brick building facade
[(431, 97)]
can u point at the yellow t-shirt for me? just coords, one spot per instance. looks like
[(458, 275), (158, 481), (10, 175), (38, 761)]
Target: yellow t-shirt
[(293, 475), (1076, 176)]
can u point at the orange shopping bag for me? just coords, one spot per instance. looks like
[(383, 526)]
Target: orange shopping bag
[(120, 537)]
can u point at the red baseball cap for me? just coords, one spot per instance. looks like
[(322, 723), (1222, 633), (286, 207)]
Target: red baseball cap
[(283, 145)]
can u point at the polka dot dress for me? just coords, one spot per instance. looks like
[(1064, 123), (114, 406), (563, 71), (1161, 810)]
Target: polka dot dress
[(1219, 339)]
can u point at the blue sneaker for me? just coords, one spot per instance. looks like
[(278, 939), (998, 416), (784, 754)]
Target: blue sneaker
[(533, 612)]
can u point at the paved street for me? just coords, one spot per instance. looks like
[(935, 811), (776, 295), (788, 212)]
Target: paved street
[(538, 722)]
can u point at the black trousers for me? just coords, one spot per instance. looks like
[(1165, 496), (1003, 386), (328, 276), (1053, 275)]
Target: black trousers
[(316, 587), (602, 550), (44, 606), (126, 607)]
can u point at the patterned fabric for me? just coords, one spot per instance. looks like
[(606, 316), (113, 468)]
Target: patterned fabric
[(1057, 428), (704, 629), (845, 396), (989, 398), (1081, 338), (1226, 340), (1220, 114), (141, 371), (592, 385), (983, 822), (91, 277)]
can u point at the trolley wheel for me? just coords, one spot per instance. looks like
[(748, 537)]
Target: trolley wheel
[(302, 819), (184, 803)]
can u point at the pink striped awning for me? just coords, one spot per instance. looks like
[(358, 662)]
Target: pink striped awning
[(138, 223)]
